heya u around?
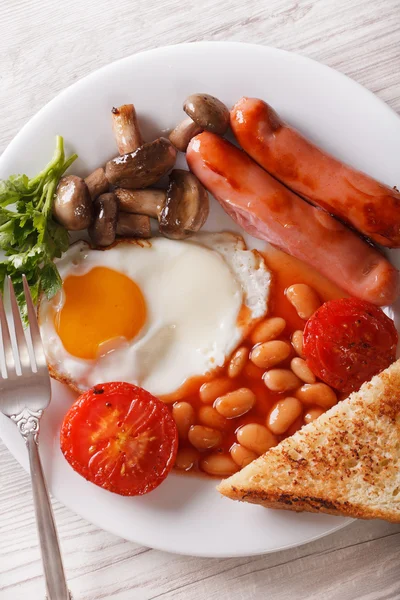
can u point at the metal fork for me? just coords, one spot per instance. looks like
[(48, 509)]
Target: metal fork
[(24, 394)]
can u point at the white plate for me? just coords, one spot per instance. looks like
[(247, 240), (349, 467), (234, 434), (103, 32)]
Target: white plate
[(186, 514)]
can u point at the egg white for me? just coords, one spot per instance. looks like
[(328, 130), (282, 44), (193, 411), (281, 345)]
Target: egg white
[(194, 291)]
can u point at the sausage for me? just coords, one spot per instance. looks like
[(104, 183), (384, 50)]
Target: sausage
[(358, 200), (268, 210)]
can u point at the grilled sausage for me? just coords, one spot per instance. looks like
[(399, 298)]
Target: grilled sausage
[(268, 210), (358, 200)]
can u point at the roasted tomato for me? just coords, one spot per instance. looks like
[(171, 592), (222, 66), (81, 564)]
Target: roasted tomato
[(121, 438), (347, 341)]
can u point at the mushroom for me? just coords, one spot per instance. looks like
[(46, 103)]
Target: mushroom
[(126, 128), (102, 231), (128, 138), (186, 206), (130, 225), (205, 112), (97, 183), (73, 204), (183, 133), (143, 167), (181, 210), (142, 202)]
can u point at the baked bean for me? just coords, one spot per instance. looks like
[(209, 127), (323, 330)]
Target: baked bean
[(238, 361), (184, 417), (204, 438), (219, 464), (304, 299), (297, 342), (313, 413), (283, 414), (317, 393), (211, 418), (281, 380), (302, 370), (185, 458), (235, 404), (256, 438), (250, 370), (242, 456), (269, 354), (268, 330), (211, 390)]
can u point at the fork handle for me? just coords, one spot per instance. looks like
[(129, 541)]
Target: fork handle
[(56, 584)]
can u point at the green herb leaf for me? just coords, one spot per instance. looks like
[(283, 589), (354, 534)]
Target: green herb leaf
[(51, 280), (29, 236)]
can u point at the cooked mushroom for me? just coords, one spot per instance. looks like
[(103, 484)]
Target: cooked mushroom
[(142, 202), (73, 204), (130, 225), (143, 167), (207, 112), (102, 231), (126, 128), (181, 210), (183, 133), (97, 183), (186, 207)]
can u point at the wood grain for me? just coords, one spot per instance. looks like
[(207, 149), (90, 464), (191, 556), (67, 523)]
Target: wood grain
[(44, 47)]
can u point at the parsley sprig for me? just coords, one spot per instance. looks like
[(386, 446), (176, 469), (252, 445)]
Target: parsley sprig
[(29, 236)]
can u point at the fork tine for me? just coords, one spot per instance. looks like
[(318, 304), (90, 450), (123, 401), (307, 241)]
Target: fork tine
[(37, 344), (9, 359), (23, 352)]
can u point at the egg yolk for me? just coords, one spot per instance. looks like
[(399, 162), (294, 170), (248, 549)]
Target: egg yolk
[(99, 306)]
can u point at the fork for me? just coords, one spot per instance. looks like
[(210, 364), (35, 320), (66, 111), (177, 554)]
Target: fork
[(24, 394)]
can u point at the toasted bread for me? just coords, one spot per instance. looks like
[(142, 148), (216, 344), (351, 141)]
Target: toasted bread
[(347, 462)]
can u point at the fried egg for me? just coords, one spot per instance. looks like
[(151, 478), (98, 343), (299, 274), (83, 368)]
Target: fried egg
[(154, 313)]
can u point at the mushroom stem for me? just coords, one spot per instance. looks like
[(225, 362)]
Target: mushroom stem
[(130, 225), (183, 133), (126, 128), (142, 202), (97, 183)]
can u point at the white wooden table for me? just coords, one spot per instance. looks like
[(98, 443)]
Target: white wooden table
[(45, 45)]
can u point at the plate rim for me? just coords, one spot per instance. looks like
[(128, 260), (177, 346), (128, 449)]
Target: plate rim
[(160, 49)]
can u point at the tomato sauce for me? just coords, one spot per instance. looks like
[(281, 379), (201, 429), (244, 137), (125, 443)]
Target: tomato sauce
[(286, 271)]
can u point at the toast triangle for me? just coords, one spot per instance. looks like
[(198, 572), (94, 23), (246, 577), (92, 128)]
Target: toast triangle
[(347, 462)]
